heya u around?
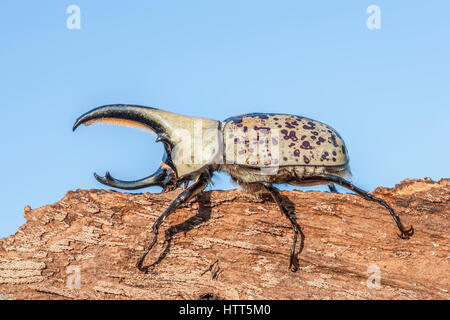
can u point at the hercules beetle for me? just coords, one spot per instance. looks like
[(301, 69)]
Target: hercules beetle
[(257, 150)]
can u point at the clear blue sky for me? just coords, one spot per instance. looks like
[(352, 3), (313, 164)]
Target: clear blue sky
[(387, 91)]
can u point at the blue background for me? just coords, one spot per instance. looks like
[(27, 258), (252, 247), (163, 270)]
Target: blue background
[(385, 91)]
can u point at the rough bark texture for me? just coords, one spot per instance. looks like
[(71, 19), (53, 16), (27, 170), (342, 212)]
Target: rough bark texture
[(230, 245)]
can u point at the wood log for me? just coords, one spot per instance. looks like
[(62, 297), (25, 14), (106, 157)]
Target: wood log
[(231, 245)]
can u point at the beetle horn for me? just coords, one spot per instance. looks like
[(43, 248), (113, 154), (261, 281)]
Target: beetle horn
[(188, 147), (156, 179)]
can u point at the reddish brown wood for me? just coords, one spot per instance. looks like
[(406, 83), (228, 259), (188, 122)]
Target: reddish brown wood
[(232, 246)]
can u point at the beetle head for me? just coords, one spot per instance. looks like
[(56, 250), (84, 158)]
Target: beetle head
[(190, 143)]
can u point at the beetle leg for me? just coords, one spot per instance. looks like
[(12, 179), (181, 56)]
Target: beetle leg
[(293, 262), (184, 196), (404, 233), (332, 188)]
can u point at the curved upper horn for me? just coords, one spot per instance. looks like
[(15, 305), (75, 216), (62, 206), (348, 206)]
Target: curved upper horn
[(132, 115)]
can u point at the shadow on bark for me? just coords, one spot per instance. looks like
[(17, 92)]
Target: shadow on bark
[(203, 215)]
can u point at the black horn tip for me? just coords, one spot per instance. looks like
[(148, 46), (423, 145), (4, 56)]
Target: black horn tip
[(96, 176), (75, 126), (104, 179), (108, 176)]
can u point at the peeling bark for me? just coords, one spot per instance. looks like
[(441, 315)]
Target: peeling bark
[(230, 245)]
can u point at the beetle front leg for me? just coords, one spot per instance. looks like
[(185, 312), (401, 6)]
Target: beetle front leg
[(404, 233), (184, 196), (293, 262), (332, 188)]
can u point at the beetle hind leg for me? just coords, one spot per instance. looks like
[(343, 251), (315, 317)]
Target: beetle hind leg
[(275, 193), (404, 233)]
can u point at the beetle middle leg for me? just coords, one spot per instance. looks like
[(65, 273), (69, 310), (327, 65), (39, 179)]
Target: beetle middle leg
[(184, 196), (293, 262), (404, 233)]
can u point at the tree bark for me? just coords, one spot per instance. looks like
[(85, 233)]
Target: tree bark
[(231, 245)]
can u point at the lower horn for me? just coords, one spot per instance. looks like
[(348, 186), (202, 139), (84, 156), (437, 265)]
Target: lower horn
[(156, 179)]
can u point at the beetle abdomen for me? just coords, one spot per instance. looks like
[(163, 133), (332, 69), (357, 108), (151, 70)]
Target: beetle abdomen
[(283, 174), (267, 140)]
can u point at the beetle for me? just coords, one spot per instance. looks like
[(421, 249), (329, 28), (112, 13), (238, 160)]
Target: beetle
[(258, 151)]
